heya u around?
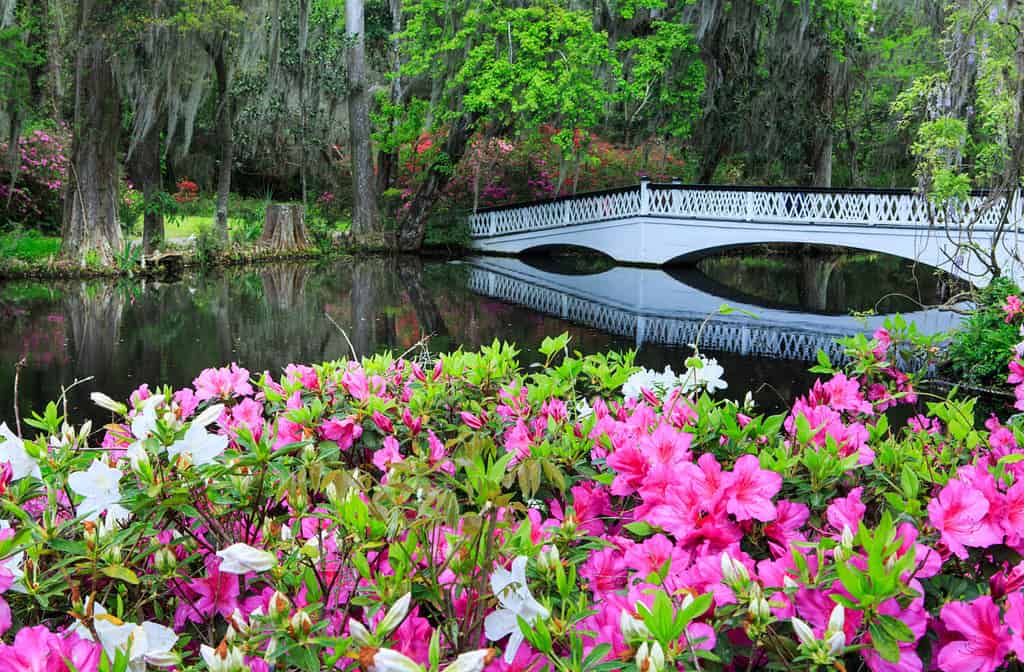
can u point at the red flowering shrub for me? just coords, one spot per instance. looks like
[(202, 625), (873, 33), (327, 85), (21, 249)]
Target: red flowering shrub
[(188, 191)]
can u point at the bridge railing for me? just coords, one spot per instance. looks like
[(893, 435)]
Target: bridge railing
[(856, 207)]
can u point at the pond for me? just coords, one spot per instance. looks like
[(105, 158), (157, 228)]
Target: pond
[(119, 335)]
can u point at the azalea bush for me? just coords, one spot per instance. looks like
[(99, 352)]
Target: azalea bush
[(32, 195), (464, 513)]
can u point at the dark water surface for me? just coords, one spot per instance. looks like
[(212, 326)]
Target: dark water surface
[(125, 333)]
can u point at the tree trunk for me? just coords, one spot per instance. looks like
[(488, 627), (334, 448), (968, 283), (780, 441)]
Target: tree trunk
[(226, 135), (365, 215), (54, 60), (90, 228), (387, 162), (146, 174), (284, 228), (821, 150), (413, 226)]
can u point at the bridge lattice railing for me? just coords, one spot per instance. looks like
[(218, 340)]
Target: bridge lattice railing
[(721, 335), (886, 208)]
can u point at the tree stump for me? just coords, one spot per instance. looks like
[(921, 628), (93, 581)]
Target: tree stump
[(284, 228)]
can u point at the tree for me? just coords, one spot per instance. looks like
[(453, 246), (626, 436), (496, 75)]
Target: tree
[(969, 122), (365, 214), (493, 68), (91, 231)]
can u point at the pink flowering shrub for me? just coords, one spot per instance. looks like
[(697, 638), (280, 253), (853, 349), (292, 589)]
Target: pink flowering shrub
[(469, 514), (38, 185)]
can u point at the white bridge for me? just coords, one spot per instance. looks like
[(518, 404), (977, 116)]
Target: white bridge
[(649, 305), (658, 223)]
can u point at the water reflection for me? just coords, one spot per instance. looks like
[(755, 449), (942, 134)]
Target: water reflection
[(124, 334), (820, 280)]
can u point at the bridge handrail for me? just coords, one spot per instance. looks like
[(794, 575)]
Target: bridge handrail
[(795, 205)]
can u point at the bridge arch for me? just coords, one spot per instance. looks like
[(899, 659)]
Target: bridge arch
[(656, 224)]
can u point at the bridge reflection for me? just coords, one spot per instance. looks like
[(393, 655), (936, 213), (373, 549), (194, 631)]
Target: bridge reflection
[(651, 306)]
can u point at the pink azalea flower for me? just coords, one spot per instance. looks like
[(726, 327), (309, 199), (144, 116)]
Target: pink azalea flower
[(960, 513), (985, 643), (846, 512), (383, 422), (222, 383), (1012, 308), (36, 649), (749, 490), (217, 592), (344, 432), (388, 455)]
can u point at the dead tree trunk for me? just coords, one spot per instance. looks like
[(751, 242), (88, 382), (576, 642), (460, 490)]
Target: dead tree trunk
[(365, 215), (90, 228), (284, 228)]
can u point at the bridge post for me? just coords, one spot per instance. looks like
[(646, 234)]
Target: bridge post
[(492, 218), (641, 331), (565, 212), (750, 206), (645, 195)]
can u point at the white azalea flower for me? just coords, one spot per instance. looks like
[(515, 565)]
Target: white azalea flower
[(516, 601), (144, 422), (100, 486), (12, 449), (243, 558), (146, 644), (707, 376), (201, 446)]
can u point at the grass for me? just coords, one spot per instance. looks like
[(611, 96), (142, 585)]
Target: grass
[(28, 246), (189, 225)]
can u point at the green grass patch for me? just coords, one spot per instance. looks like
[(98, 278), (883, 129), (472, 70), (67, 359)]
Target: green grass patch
[(28, 246)]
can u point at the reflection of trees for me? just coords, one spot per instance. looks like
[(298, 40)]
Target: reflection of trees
[(284, 284), (431, 322), (94, 311), (815, 273), (371, 328)]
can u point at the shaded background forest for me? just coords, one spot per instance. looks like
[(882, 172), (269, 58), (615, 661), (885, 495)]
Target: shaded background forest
[(134, 107)]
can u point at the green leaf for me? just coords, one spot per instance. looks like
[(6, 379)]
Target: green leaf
[(121, 573), (884, 643), (896, 629)]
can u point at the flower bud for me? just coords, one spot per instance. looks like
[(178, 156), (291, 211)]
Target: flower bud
[(548, 558), (105, 402), (837, 619), (165, 561), (733, 571), (472, 661), (650, 658), (280, 605), (803, 632), (396, 614), (759, 609), (300, 624), (359, 634), (836, 643), (387, 660), (633, 629), (332, 494), (223, 658)]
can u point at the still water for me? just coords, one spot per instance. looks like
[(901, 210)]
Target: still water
[(119, 335)]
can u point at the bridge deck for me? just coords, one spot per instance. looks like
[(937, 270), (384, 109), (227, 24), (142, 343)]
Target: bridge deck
[(656, 223)]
